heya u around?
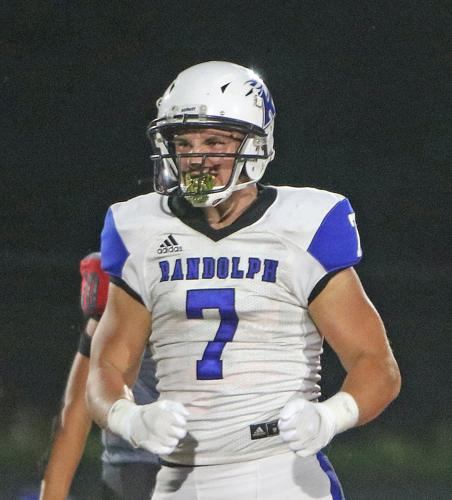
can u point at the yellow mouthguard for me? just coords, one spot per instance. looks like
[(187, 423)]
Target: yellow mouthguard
[(197, 185)]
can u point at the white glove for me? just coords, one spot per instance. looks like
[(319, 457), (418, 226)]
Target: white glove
[(156, 427), (308, 427)]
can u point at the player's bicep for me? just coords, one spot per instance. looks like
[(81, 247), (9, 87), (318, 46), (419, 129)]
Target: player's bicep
[(121, 334), (348, 320)]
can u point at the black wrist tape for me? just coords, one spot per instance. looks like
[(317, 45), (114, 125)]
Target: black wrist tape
[(84, 345)]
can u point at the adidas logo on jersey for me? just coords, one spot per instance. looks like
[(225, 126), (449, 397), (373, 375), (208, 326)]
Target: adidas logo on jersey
[(266, 429), (170, 245), (259, 432)]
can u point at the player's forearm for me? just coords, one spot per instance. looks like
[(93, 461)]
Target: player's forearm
[(374, 382), (67, 449), (105, 386)]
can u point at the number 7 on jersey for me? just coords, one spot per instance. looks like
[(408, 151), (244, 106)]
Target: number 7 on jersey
[(210, 367)]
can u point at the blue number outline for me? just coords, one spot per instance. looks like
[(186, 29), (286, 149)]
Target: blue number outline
[(210, 367)]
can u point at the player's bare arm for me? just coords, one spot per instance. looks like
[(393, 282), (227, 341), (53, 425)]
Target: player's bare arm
[(116, 352), (349, 322), (115, 361), (72, 431), (351, 325)]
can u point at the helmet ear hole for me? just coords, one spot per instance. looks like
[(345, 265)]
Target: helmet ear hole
[(254, 169)]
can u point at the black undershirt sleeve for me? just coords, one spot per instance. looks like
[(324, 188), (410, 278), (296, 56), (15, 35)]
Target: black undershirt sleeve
[(122, 284), (322, 284)]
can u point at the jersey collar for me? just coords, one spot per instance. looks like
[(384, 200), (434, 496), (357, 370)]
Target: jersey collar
[(194, 217)]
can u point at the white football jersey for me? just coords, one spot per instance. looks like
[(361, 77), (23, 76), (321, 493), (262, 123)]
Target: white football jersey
[(231, 334)]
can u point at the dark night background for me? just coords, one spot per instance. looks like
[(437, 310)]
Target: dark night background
[(362, 91)]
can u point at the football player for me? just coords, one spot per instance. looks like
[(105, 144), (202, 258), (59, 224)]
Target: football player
[(240, 284), (127, 473)]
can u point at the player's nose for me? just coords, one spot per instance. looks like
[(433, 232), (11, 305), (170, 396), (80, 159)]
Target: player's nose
[(198, 162)]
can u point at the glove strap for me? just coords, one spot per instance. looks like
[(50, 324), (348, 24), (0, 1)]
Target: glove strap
[(345, 410)]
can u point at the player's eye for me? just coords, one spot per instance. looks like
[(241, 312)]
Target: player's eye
[(216, 142), (180, 144)]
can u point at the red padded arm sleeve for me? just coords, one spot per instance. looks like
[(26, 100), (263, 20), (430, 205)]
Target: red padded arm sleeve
[(94, 287)]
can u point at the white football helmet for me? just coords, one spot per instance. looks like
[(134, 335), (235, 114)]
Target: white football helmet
[(218, 95)]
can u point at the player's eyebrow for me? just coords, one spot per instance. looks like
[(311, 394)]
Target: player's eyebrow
[(228, 136), (213, 135)]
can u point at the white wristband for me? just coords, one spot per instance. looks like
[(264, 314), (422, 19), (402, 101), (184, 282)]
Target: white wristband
[(118, 420), (345, 410)]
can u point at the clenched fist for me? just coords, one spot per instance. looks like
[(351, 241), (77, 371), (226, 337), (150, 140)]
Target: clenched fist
[(157, 427), (308, 427)]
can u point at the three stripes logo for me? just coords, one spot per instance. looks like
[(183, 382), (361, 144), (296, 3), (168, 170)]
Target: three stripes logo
[(170, 245), (265, 429)]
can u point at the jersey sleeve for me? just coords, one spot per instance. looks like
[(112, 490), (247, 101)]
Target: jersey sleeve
[(335, 244), (117, 258)]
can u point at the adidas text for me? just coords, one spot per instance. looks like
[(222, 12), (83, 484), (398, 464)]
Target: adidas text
[(172, 249), (170, 245)]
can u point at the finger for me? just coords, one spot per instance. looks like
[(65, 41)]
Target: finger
[(178, 419), (289, 423), (179, 432), (175, 406), (305, 453), (161, 441), (300, 444), (182, 410), (168, 441), (176, 432), (291, 408), (165, 450), (288, 435), (158, 449)]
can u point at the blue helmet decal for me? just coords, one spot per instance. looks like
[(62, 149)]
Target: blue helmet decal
[(269, 106)]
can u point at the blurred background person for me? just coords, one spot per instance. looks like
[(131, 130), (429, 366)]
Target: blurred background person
[(127, 473)]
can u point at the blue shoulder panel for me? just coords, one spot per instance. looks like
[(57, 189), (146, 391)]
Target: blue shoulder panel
[(114, 252), (336, 243)]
